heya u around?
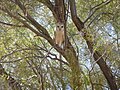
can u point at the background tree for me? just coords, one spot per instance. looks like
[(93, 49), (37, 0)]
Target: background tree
[(29, 57)]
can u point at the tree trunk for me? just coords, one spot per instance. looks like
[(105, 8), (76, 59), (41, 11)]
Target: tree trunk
[(75, 79)]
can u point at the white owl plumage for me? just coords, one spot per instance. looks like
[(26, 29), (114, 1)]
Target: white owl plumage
[(59, 34)]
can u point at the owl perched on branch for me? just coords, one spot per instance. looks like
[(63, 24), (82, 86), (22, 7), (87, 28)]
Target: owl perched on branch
[(59, 34)]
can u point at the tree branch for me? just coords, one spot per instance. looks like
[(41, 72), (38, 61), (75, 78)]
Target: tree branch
[(50, 6), (95, 8), (79, 24), (8, 24), (97, 16), (32, 21), (25, 24)]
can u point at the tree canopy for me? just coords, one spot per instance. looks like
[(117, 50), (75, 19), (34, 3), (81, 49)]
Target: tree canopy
[(30, 59)]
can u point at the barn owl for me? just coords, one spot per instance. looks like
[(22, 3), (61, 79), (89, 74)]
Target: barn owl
[(59, 34)]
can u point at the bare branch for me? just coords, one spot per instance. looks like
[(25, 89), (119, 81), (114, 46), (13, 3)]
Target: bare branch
[(95, 8), (32, 21), (103, 13), (25, 23), (50, 6), (8, 24)]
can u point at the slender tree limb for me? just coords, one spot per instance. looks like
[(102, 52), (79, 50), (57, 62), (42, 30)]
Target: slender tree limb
[(50, 6), (8, 24), (34, 22), (97, 16), (96, 8), (26, 24)]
